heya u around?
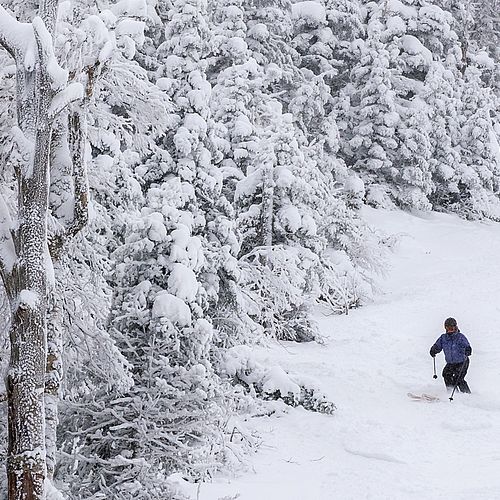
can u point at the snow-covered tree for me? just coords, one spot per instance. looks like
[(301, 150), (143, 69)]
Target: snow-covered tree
[(323, 36), (485, 30), (229, 31), (369, 119), (276, 225), (414, 37), (270, 31), (171, 410), (446, 161), (269, 36), (479, 175), (124, 124), (47, 138), (177, 248)]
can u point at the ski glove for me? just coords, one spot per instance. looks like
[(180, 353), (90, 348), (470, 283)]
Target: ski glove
[(468, 350), (433, 352)]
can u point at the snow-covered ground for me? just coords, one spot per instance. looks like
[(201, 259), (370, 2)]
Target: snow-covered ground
[(379, 444)]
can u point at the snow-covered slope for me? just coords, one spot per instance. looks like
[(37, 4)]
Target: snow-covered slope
[(380, 444)]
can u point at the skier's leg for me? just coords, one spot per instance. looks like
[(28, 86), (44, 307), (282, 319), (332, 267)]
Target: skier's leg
[(464, 387), (462, 384), (449, 376)]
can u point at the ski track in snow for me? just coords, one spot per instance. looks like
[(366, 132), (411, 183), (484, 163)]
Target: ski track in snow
[(379, 444)]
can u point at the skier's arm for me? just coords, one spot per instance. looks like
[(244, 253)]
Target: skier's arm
[(467, 347), (436, 348)]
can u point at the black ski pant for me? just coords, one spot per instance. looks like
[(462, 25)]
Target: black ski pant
[(453, 374)]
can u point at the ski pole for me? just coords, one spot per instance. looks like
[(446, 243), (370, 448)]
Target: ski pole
[(458, 379), (434, 376)]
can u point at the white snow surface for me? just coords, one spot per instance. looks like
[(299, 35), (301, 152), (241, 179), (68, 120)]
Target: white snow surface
[(290, 217), (18, 36), (132, 28), (379, 444), (278, 380)]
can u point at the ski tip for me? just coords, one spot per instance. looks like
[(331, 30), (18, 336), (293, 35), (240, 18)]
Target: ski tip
[(430, 398)]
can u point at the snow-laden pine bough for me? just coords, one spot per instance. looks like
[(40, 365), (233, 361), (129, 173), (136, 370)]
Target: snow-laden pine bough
[(48, 145)]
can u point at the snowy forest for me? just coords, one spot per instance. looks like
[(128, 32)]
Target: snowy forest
[(183, 180)]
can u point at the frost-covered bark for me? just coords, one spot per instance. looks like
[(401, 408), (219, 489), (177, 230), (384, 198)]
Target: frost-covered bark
[(42, 93), (25, 279)]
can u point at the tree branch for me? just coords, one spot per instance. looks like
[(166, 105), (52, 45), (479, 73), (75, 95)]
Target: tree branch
[(16, 37), (75, 135), (73, 92), (58, 76), (77, 140)]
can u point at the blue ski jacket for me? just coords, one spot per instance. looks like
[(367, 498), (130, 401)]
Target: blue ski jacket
[(455, 345)]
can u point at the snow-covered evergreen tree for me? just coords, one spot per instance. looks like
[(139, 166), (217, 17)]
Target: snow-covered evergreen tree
[(270, 31), (479, 147), (485, 30), (415, 37), (446, 161), (369, 120), (130, 114), (178, 247)]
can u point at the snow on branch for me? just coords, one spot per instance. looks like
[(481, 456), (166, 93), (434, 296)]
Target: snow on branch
[(17, 38), (58, 76), (8, 254), (76, 140), (73, 92)]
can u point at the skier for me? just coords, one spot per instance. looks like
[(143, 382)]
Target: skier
[(457, 350)]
